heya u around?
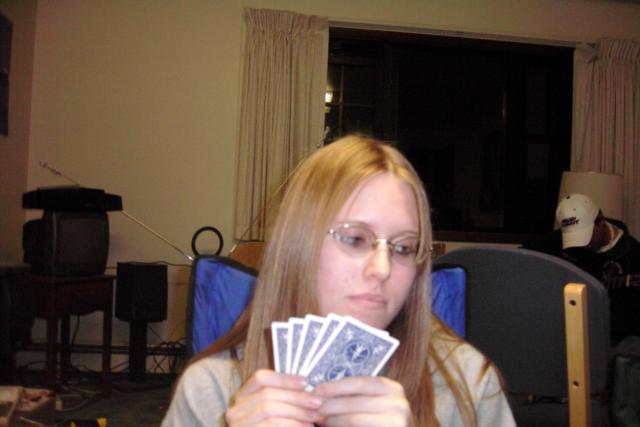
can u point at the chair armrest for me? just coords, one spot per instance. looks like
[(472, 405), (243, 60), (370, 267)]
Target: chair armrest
[(575, 316)]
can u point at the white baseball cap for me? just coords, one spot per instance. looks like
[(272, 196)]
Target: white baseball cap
[(576, 214)]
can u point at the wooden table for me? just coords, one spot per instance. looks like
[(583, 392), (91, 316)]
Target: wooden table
[(59, 298)]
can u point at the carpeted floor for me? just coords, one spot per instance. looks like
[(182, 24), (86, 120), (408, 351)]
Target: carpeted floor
[(139, 404), (140, 408)]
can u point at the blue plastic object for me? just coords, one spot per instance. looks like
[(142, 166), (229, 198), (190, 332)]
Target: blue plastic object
[(448, 297), (221, 289)]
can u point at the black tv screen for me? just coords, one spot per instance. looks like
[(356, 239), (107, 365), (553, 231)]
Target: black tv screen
[(67, 243)]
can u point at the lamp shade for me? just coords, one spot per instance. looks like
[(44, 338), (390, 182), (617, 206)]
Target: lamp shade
[(603, 188)]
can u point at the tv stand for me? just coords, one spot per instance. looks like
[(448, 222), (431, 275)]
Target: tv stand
[(59, 298)]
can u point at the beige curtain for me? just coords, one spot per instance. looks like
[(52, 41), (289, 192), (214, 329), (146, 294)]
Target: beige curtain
[(606, 126), (282, 109)]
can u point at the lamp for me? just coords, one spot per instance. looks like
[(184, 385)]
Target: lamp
[(328, 97), (603, 188)]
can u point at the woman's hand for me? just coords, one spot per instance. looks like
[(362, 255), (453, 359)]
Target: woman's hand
[(363, 401), (269, 398)]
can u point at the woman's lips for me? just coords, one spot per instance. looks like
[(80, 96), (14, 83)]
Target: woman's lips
[(369, 300)]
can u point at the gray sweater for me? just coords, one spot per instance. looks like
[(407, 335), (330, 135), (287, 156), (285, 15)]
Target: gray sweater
[(206, 387)]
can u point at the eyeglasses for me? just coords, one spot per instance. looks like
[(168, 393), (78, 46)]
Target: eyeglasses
[(358, 240)]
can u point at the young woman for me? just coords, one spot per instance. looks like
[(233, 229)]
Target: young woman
[(352, 237)]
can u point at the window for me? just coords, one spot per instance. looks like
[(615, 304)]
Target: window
[(486, 124)]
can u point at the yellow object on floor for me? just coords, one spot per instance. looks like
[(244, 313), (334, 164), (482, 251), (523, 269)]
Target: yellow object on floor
[(100, 422)]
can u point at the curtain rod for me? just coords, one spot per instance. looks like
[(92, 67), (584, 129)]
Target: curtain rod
[(338, 23)]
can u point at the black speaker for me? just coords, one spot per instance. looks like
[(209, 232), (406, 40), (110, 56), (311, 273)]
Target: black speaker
[(16, 317), (141, 292)]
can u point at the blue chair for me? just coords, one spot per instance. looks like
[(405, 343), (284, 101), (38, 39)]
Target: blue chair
[(221, 288), (448, 288)]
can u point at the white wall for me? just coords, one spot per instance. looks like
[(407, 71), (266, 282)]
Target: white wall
[(141, 98)]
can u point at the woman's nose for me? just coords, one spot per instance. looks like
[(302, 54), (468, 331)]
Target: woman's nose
[(379, 262)]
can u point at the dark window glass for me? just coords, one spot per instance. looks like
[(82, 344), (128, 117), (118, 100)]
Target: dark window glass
[(485, 124)]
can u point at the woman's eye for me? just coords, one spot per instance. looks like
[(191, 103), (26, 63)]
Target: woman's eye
[(403, 250), (406, 249), (355, 240)]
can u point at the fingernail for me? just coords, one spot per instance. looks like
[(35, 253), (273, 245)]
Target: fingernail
[(315, 402)]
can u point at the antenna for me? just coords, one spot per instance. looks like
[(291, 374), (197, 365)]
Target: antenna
[(263, 208), (275, 193), (125, 213)]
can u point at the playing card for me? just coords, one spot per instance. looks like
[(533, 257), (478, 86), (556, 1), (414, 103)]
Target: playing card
[(310, 330), (353, 349), (332, 321), (293, 339), (279, 337)]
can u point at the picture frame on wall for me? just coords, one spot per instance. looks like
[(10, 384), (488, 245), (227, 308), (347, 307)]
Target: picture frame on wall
[(6, 30)]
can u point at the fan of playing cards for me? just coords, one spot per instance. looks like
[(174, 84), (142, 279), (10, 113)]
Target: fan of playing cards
[(329, 348)]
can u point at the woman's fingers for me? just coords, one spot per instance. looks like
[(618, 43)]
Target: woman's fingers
[(365, 420), (268, 378), (365, 386), (270, 398), (393, 406), (269, 412), (363, 401)]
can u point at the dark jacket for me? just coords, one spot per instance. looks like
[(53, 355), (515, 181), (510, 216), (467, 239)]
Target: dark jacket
[(618, 269)]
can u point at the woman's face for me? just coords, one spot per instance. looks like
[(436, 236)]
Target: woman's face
[(372, 287)]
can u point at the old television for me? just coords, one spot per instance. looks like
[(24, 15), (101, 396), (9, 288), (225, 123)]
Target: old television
[(72, 237), (67, 243)]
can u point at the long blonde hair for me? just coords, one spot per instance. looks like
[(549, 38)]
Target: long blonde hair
[(287, 280)]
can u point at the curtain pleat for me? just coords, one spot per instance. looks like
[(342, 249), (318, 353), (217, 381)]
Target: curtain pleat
[(282, 109), (606, 132)]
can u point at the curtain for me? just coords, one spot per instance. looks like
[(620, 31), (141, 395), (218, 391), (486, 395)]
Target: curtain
[(606, 126), (282, 109)]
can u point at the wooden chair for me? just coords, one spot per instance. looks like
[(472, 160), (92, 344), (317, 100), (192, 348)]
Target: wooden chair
[(577, 335), (248, 253)]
